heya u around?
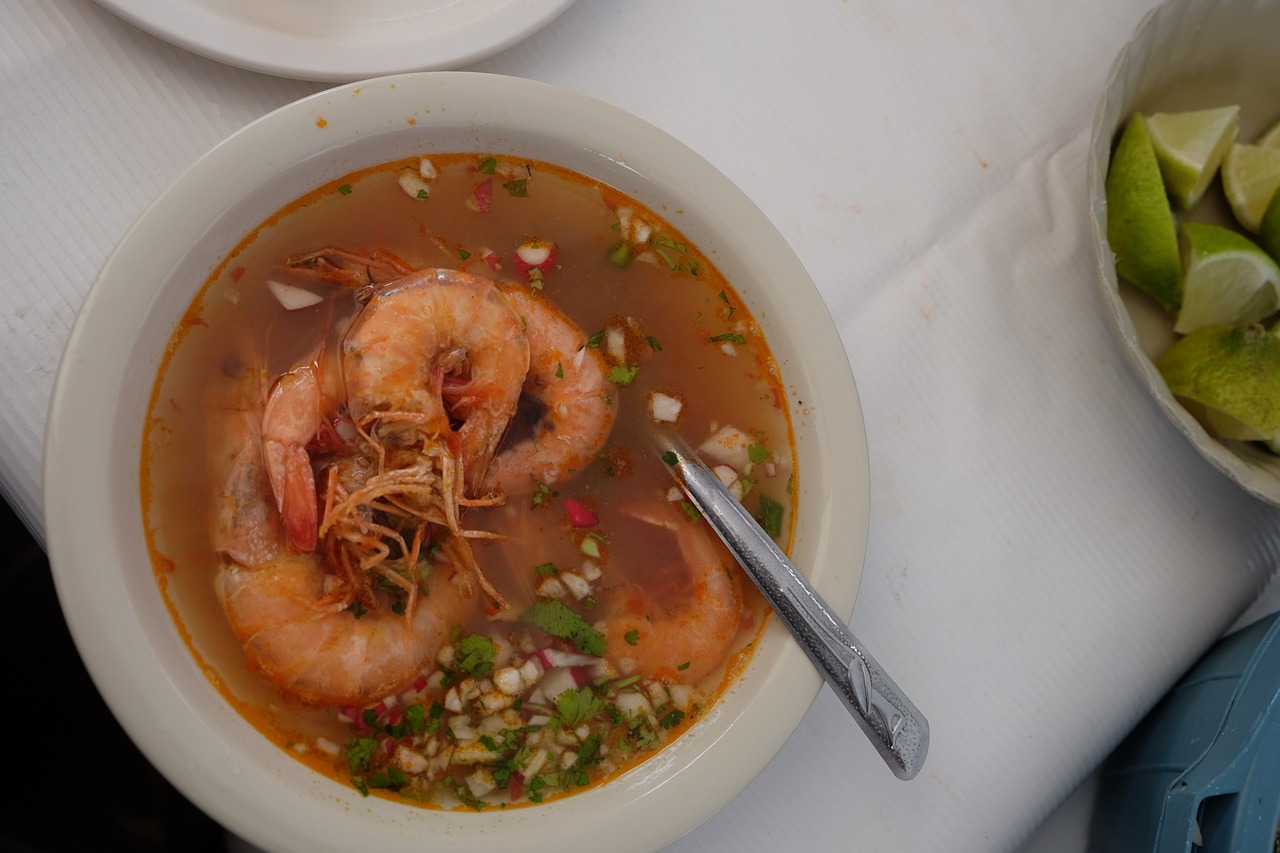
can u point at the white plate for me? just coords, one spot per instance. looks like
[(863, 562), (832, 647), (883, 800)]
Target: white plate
[(341, 40), (1186, 54), (93, 519)]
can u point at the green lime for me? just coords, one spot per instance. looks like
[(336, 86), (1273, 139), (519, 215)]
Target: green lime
[(1250, 177), (1229, 378), (1190, 146), (1270, 139), (1140, 224), (1269, 229), (1226, 279)]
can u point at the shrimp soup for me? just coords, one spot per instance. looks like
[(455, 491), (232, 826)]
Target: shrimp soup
[(398, 496)]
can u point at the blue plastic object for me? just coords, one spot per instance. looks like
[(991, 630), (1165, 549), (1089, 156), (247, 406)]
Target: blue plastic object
[(1205, 763)]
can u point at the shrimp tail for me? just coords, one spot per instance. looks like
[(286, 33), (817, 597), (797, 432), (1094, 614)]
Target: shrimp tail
[(294, 485)]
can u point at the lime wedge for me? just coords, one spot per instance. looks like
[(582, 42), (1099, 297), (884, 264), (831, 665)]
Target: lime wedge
[(1270, 139), (1269, 229), (1190, 146), (1226, 279), (1229, 378), (1140, 224), (1250, 177)]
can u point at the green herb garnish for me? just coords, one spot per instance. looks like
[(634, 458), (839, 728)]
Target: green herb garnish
[(475, 654), (770, 516), (558, 620)]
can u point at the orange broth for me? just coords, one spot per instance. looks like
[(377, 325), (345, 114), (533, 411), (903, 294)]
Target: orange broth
[(686, 335)]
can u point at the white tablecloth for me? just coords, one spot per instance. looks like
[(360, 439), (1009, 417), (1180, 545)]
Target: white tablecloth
[(1046, 553)]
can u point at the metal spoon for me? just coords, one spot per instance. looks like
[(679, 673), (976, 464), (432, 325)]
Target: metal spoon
[(894, 725)]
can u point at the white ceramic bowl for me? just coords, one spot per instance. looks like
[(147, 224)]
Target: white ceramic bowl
[(93, 514), (1186, 54)]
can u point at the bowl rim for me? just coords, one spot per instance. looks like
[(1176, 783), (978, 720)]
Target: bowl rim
[(153, 688)]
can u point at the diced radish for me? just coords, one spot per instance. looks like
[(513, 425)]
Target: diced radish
[(664, 407), (481, 197), (292, 297), (490, 257), (579, 515), (537, 255), (583, 675)]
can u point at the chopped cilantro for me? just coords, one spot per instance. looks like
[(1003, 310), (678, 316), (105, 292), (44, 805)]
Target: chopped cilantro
[(518, 188), (730, 337), (757, 453), (345, 189), (690, 511), (595, 340), (489, 165), (682, 667), (578, 706), (359, 751), (558, 620), (670, 458), (623, 374), (654, 344), (545, 569), (423, 194), (559, 370), (541, 494), (475, 654), (671, 719), (770, 516), (463, 254), (391, 778), (620, 254), (632, 637), (356, 609)]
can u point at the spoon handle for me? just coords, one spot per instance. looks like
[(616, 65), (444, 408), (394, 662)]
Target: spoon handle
[(894, 725)]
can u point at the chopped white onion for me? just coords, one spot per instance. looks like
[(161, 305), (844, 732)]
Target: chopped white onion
[(292, 297), (664, 407), (728, 446), (427, 169), (615, 342), (728, 348), (413, 185)]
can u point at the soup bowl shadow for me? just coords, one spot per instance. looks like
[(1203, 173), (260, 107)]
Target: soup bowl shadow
[(98, 550)]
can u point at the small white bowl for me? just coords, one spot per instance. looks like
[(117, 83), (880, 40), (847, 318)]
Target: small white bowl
[(93, 512), (1186, 54)]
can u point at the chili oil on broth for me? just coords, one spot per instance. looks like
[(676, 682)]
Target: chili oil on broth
[(689, 336)]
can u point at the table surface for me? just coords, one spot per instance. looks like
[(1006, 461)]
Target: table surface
[(1046, 554)]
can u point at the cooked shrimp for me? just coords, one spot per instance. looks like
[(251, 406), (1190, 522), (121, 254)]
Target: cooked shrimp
[(289, 423), (435, 347), (685, 639), (349, 269), (568, 378), (289, 610)]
